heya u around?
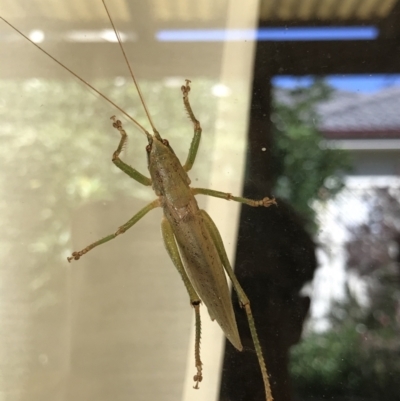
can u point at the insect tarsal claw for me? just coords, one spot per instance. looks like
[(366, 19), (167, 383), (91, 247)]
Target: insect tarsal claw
[(197, 378), (74, 256), (269, 201), (186, 88)]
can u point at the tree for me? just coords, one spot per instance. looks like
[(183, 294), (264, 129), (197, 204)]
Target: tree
[(305, 169)]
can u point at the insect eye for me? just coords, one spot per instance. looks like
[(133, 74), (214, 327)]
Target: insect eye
[(148, 148), (165, 142)]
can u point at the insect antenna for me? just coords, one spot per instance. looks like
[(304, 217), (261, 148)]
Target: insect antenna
[(131, 72), (80, 79)]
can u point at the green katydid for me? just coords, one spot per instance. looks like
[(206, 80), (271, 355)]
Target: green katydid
[(191, 238)]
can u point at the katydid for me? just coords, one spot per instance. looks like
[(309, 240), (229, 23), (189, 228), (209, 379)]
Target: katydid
[(190, 236)]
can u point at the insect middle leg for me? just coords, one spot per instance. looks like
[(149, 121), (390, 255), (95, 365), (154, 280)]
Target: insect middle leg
[(227, 196), (172, 249), (194, 146), (121, 230), (243, 299)]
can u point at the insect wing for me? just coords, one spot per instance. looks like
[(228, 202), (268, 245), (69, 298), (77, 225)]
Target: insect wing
[(205, 270)]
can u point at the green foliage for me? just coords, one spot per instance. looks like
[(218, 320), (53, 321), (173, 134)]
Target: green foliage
[(351, 360), (305, 170), (327, 364)]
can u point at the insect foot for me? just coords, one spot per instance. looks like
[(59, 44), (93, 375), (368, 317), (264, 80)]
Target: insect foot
[(74, 256), (266, 202), (197, 378), (117, 124), (186, 88)]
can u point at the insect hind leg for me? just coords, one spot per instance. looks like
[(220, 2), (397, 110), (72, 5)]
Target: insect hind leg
[(173, 252), (243, 299)]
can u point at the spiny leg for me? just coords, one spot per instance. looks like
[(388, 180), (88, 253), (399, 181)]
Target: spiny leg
[(139, 177), (194, 146), (227, 196), (198, 377), (121, 230), (244, 301), (172, 249)]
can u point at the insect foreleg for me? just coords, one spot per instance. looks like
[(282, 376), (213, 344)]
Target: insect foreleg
[(121, 230), (139, 177), (244, 301), (227, 196), (194, 146), (172, 249)]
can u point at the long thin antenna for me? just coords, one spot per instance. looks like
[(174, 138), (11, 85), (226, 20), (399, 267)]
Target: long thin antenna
[(130, 68), (80, 79)]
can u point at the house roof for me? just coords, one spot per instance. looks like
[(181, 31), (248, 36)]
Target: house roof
[(361, 115), (352, 115), (160, 12)]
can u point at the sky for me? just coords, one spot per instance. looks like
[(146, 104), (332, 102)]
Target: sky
[(362, 83), (281, 34)]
